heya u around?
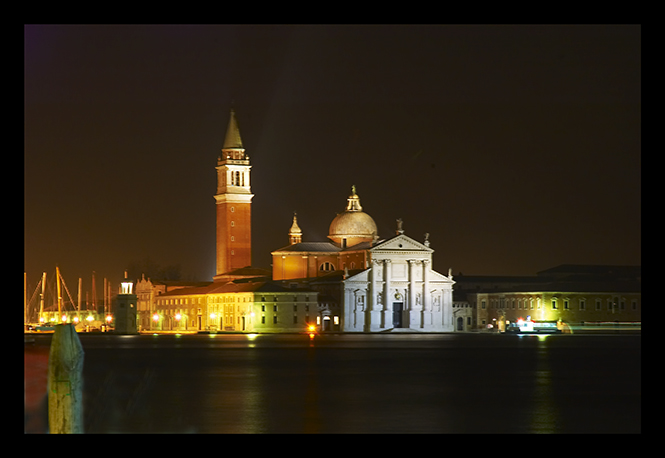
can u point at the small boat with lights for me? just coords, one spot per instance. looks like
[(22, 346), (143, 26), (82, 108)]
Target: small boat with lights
[(529, 326)]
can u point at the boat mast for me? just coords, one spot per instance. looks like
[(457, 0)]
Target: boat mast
[(57, 274), (94, 293), (41, 297)]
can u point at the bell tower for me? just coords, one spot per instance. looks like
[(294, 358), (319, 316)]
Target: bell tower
[(234, 203)]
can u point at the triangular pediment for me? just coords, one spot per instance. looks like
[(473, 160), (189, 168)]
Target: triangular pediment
[(401, 242)]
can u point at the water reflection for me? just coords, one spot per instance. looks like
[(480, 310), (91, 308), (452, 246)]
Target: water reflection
[(361, 384), (544, 413)]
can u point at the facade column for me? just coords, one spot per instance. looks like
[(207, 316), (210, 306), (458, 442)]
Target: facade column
[(414, 315), (427, 299), (387, 302), (349, 317), (447, 310), (371, 298), (427, 316), (373, 315), (412, 284)]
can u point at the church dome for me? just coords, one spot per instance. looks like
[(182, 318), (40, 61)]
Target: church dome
[(352, 226)]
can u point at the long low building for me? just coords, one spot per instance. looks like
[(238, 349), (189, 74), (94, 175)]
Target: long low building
[(240, 305), (573, 294)]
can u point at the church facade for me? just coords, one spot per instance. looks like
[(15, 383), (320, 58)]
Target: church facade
[(384, 285), (400, 291)]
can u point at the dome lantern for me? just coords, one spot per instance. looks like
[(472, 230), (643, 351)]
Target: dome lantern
[(352, 226)]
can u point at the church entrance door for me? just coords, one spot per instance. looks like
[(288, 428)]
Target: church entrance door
[(397, 314)]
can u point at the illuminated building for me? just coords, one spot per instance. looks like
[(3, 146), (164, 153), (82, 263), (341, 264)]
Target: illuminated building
[(351, 234), (367, 284), (241, 305), (578, 295), (147, 292)]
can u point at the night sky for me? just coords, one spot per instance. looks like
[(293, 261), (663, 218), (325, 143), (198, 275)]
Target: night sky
[(517, 148)]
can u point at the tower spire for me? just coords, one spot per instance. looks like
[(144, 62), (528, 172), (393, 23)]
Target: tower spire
[(295, 233), (232, 142)]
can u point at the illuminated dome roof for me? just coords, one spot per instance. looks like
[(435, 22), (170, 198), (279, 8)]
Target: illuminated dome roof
[(353, 225)]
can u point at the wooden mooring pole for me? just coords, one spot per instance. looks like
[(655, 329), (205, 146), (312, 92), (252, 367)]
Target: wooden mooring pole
[(65, 381)]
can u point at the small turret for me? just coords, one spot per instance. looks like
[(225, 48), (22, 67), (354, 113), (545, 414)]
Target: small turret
[(295, 233)]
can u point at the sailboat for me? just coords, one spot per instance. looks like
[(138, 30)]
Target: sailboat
[(45, 317), (42, 324)]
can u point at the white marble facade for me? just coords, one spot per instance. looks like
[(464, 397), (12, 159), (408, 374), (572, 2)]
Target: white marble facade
[(399, 291)]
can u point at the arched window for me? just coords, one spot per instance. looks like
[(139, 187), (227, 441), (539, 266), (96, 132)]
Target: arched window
[(326, 267)]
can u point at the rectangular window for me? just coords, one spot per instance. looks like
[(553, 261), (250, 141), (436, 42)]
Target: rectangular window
[(582, 304), (295, 319), (274, 308), (274, 319), (263, 319), (482, 304), (598, 304), (295, 308), (565, 304), (634, 304), (554, 304)]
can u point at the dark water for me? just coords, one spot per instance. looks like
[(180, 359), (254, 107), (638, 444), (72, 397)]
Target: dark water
[(404, 383)]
